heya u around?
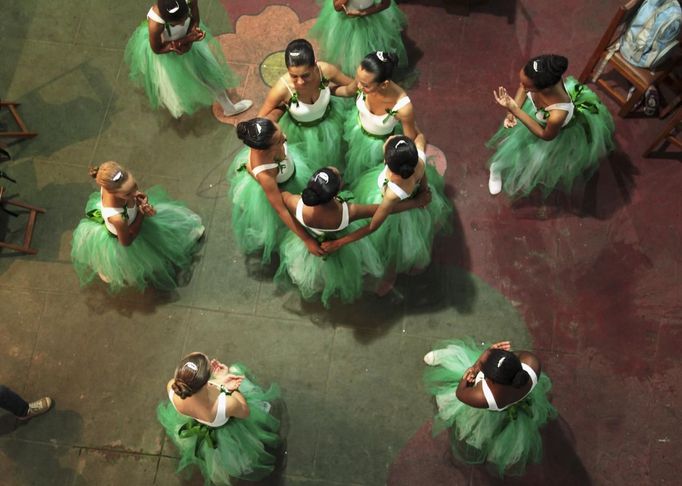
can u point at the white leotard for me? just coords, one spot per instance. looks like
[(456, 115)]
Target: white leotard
[(306, 113), (108, 212), (375, 124), (345, 219), (384, 182), (490, 398), (542, 115), (286, 168), (176, 31), (221, 417), (359, 4)]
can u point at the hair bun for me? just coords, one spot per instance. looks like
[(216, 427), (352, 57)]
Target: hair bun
[(557, 65), (520, 378), (242, 130), (310, 197), (92, 171), (406, 171), (392, 57), (181, 388)]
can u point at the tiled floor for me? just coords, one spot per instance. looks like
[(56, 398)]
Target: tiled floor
[(593, 285)]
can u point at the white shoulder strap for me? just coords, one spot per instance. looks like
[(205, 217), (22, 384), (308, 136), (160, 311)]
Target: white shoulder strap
[(155, 17), (398, 191), (489, 397), (262, 168), (401, 103)]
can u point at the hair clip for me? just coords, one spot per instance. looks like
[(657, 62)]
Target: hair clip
[(117, 176), (381, 56), (400, 142), (321, 176), (536, 65), (259, 128), (174, 9), (499, 363), (191, 366), (294, 54)]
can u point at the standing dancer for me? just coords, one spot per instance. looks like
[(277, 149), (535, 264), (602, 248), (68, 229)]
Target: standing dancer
[(494, 407), (220, 420), (311, 115), (130, 238), (403, 240), (179, 63), (266, 166), (383, 109), (564, 132), (349, 29)]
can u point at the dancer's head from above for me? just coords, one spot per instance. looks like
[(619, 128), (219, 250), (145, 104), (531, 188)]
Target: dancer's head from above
[(191, 375), (323, 186), (260, 133), (400, 154), (299, 57), (504, 367), (376, 71), (114, 179), (173, 11), (543, 72)]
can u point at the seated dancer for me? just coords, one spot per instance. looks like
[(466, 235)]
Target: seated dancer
[(403, 240), (302, 101), (179, 63), (132, 239), (493, 400), (220, 420), (565, 131), (266, 166), (327, 216), (383, 109), (348, 29)]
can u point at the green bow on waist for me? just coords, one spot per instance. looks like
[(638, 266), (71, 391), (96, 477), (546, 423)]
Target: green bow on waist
[(591, 106), (524, 406), (95, 215), (202, 432)]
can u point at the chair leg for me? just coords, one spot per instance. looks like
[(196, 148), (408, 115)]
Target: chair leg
[(665, 133), (629, 104)]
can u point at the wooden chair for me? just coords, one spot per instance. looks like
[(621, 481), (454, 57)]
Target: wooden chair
[(28, 230), (639, 78), (23, 131), (669, 134)]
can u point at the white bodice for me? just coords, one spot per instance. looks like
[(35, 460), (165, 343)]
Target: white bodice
[(543, 114), (176, 31), (380, 125), (345, 219), (359, 4), (490, 398), (221, 416), (285, 168), (108, 212), (306, 113)]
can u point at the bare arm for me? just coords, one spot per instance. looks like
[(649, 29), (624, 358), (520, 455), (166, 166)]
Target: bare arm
[(155, 42), (274, 104), (346, 91), (407, 119), (236, 406), (194, 13), (125, 233), (546, 132), (269, 185), (470, 395), (335, 75)]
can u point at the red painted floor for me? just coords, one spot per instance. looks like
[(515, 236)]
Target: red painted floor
[(596, 275)]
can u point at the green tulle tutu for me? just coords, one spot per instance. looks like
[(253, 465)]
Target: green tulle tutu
[(527, 162), (346, 41), (364, 151), (182, 83), (341, 274), (242, 448), (404, 240), (322, 142), (255, 224), (164, 246), (508, 440)]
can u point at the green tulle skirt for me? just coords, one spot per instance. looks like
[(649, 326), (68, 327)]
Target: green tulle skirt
[(341, 274), (404, 240), (182, 83), (364, 151), (242, 448), (255, 224), (506, 441), (164, 246), (527, 162), (321, 143), (346, 41)]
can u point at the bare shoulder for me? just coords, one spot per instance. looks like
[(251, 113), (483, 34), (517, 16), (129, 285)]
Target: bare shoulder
[(530, 359)]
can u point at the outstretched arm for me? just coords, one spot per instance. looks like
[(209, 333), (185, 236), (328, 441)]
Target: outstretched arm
[(547, 132), (274, 105)]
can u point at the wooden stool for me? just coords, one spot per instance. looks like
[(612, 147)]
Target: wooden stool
[(669, 134), (28, 231), (23, 131)]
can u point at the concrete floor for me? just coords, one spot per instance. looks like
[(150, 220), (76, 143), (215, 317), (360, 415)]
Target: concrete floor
[(596, 293)]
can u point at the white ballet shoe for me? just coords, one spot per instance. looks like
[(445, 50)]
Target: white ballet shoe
[(237, 108), (104, 278), (495, 182), (431, 358)]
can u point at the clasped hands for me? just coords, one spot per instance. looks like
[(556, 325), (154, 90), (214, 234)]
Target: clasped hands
[(220, 373), (142, 202), (470, 373), (182, 46)]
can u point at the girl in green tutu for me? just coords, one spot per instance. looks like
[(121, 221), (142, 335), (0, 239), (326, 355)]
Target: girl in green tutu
[(348, 29), (494, 407), (382, 109), (220, 421), (328, 216), (132, 239), (564, 132), (258, 175), (302, 101), (403, 240), (177, 61)]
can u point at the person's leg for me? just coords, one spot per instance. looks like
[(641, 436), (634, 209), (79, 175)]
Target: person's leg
[(231, 109), (12, 402)]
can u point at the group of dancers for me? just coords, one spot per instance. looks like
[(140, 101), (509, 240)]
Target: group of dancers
[(334, 179)]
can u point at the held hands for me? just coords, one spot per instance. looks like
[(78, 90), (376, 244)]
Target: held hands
[(314, 248), (221, 374), (503, 99), (331, 246), (142, 202)]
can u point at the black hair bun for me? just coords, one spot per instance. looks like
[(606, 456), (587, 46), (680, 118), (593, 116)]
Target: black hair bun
[(310, 197), (520, 378), (242, 130), (391, 57), (406, 171), (556, 65)]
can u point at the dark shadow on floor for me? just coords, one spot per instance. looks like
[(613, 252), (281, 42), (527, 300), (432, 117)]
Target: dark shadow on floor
[(464, 8)]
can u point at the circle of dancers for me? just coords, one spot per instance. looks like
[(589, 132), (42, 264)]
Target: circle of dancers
[(334, 179)]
